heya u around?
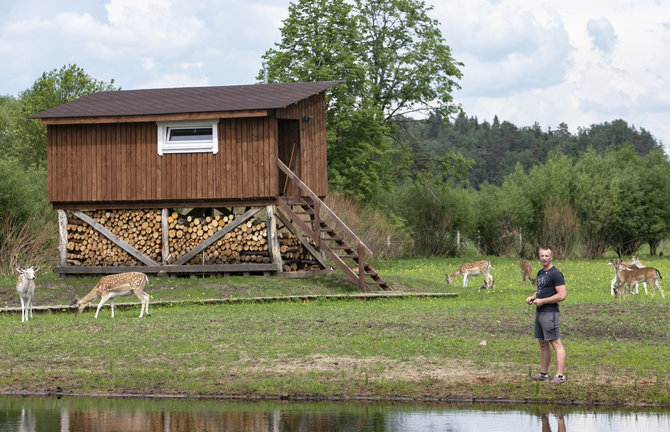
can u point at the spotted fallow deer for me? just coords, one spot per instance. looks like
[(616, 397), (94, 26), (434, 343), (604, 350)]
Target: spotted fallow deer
[(634, 263), (634, 276), (113, 286), (25, 287), (526, 272), (473, 268)]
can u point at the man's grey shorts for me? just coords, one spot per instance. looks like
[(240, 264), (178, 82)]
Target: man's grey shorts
[(547, 325)]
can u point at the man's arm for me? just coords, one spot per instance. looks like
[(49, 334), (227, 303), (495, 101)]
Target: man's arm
[(560, 295)]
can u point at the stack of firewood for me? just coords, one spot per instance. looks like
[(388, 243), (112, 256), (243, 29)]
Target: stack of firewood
[(246, 243), (139, 228), (294, 255)]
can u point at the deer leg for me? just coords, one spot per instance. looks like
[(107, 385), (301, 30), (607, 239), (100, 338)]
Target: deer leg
[(612, 285), (140, 296), (102, 301), (655, 285), (645, 288), (111, 303), (465, 280), (23, 310), (146, 307)]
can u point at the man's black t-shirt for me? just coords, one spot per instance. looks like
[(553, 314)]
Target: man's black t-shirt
[(547, 281)]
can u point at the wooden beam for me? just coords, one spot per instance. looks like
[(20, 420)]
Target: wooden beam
[(125, 205), (165, 237), (273, 240), (62, 237), (154, 117), (216, 236), (117, 241), (167, 269)]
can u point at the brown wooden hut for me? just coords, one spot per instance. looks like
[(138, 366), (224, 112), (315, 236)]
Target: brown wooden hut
[(122, 166)]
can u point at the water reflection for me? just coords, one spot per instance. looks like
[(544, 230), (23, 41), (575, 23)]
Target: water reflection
[(546, 427), (130, 415)]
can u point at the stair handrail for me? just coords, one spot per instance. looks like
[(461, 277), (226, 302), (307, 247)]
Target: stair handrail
[(323, 206)]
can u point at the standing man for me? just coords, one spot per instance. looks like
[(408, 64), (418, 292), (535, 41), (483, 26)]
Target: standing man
[(550, 291)]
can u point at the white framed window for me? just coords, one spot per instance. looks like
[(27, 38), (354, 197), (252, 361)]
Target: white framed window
[(198, 136)]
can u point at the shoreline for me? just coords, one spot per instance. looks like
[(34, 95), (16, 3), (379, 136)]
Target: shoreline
[(318, 398)]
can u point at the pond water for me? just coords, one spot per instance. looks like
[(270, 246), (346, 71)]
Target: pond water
[(27, 414)]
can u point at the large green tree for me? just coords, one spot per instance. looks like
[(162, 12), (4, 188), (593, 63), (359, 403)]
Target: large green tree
[(51, 89), (393, 61)]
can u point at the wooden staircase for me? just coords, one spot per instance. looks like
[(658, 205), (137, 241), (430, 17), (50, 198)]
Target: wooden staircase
[(330, 235)]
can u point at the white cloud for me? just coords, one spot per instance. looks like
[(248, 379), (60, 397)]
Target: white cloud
[(602, 33)]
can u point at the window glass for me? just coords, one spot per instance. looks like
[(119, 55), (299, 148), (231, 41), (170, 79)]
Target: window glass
[(190, 134), (200, 136)]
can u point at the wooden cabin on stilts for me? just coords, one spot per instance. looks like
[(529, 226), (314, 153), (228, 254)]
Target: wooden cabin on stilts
[(202, 180)]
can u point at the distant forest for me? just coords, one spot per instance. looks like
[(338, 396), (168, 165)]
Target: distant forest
[(496, 148)]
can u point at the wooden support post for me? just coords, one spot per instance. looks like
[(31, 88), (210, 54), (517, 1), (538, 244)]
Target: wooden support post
[(317, 223), (273, 239), (165, 228), (361, 267), (62, 237)]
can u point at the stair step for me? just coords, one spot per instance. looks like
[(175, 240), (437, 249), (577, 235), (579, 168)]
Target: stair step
[(333, 239)]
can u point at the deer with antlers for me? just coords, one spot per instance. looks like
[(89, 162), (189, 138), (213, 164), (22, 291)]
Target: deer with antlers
[(114, 286), (25, 286), (473, 268)]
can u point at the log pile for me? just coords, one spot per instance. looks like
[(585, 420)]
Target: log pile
[(295, 257), (141, 229), (247, 243)]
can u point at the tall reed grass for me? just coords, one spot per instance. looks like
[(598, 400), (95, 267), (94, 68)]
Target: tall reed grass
[(32, 242), (384, 234)]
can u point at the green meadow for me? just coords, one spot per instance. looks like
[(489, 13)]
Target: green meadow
[(270, 340)]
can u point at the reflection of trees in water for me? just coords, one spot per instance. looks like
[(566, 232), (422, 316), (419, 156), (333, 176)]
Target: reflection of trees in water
[(64, 420), (216, 421)]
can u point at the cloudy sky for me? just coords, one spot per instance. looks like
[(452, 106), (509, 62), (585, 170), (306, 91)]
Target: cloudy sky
[(545, 61)]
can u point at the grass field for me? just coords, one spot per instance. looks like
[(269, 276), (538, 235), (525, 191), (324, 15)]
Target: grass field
[(476, 345)]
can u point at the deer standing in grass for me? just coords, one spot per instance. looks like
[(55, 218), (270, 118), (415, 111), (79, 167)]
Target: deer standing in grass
[(526, 272), (113, 286), (473, 268), (634, 263), (634, 276), (25, 286)]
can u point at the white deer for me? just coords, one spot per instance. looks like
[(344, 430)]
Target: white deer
[(634, 263), (526, 272), (25, 286), (113, 286), (473, 268), (637, 275)]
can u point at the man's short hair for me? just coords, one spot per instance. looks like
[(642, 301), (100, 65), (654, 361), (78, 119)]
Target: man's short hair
[(545, 247)]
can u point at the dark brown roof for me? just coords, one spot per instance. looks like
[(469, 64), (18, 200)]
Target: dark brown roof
[(187, 100)]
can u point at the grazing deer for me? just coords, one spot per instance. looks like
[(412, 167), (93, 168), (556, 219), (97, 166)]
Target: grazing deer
[(473, 268), (526, 272), (25, 286), (633, 276), (634, 263), (113, 286)]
